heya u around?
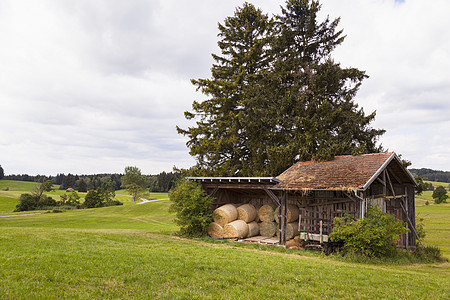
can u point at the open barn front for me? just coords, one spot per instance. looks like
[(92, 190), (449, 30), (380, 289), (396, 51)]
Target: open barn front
[(302, 202)]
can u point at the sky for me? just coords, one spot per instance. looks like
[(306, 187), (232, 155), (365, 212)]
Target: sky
[(94, 86)]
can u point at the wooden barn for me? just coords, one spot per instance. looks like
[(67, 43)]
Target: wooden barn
[(306, 197)]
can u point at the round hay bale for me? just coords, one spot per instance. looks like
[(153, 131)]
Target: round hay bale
[(257, 220), (268, 229), (246, 212), (225, 214), (238, 228), (266, 212), (215, 230), (292, 213), (291, 230), (253, 229)]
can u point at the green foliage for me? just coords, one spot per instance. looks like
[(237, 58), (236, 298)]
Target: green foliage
[(26, 202), (430, 253), (276, 96), (192, 207), (375, 235), (2, 172), (29, 202), (99, 198), (440, 195), (134, 181), (420, 230), (73, 199)]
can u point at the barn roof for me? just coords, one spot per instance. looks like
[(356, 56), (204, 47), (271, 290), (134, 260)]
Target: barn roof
[(345, 172)]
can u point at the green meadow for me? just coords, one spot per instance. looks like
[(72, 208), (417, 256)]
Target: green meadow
[(131, 251)]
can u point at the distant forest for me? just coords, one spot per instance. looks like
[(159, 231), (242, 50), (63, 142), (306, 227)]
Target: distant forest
[(162, 182), (431, 175)]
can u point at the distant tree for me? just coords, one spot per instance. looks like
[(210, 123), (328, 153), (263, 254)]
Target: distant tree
[(47, 185), (93, 199), (82, 186), (2, 172), (73, 199), (440, 195), (39, 189), (134, 181)]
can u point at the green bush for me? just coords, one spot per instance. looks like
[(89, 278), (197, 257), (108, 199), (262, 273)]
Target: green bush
[(93, 199), (26, 202), (192, 207), (429, 253), (440, 195), (99, 198), (375, 235)]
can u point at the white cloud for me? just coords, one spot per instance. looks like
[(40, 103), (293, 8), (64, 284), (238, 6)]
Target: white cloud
[(94, 86)]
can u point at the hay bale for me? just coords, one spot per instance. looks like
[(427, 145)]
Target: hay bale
[(253, 229), (246, 212), (291, 230), (238, 228), (292, 213), (215, 230), (225, 214), (266, 212), (268, 229)]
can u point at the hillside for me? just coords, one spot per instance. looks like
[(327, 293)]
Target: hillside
[(130, 251), (432, 175)]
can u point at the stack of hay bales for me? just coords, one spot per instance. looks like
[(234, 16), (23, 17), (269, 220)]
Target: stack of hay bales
[(241, 221), (231, 221)]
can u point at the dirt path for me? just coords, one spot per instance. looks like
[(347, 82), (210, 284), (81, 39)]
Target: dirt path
[(20, 215), (147, 201)]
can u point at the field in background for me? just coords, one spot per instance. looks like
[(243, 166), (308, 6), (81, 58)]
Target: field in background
[(130, 251)]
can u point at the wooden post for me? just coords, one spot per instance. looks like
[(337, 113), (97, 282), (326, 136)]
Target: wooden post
[(284, 217)]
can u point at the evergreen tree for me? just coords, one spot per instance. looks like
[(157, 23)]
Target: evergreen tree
[(221, 139), (277, 96), (2, 173), (316, 116)]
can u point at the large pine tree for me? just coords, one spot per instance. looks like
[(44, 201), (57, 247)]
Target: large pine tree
[(224, 136), (277, 96)]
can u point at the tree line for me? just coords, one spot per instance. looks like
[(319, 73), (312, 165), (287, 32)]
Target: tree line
[(432, 175), (161, 182)]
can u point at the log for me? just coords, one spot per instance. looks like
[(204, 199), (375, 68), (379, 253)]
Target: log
[(225, 214), (247, 213), (292, 213), (215, 230), (268, 229), (267, 213), (253, 229), (291, 230), (236, 228)]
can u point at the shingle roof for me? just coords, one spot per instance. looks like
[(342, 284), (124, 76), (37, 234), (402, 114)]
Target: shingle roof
[(343, 173)]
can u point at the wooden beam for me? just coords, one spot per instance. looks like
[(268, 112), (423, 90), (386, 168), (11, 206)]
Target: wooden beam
[(273, 196), (239, 186)]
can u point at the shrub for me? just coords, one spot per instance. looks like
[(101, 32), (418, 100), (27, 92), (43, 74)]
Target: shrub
[(192, 207), (375, 235), (113, 203), (429, 253), (440, 195), (26, 202), (99, 198), (93, 199)]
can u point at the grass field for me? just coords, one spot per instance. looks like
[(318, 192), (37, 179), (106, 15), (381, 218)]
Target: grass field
[(130, 251)]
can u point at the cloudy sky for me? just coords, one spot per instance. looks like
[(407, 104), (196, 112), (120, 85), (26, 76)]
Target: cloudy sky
[(94, 86)]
